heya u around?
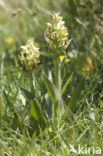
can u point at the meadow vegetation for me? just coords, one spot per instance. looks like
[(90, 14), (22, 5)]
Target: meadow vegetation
[(51, 77)]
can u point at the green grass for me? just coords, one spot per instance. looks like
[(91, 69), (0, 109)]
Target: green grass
[(48, 111)]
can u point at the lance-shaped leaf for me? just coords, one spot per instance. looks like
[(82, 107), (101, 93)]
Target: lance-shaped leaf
[(50, 89), (66, 84), (36, 110)]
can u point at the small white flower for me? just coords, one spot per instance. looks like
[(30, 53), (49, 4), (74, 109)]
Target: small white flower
[(49, 24)]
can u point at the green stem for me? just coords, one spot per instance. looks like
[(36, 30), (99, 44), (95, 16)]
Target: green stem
[(57, 73)]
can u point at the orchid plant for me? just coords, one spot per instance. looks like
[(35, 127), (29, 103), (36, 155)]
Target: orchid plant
[(47, 103)]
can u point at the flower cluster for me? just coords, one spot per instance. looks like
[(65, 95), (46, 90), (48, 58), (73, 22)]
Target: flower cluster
[(29, 56), (57, 35)]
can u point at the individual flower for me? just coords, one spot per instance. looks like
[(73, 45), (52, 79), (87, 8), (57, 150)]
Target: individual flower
[(10, 40), (62, 57), (29, 56), (57, 35)]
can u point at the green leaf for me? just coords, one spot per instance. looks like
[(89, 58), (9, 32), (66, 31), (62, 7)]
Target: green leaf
[(54, 99), (50, 89), (66, 84), (69, 41), (33, 111), (28, 95), (36, 111), (76, 95)]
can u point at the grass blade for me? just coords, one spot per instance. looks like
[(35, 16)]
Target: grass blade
[(66, 84), (76, 95)]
